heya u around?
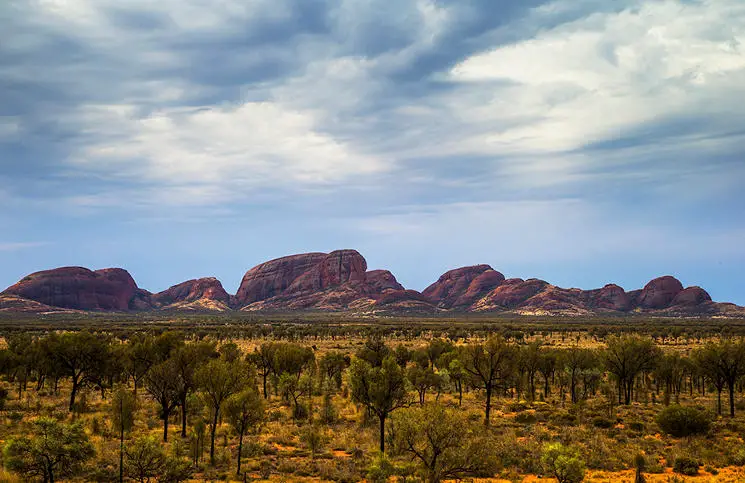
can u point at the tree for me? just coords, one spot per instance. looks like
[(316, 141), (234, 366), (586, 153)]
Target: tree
[(374, 351), (145, 459), (547, 367), (187, 359), (162, 382), (123, 407), (724, 361), (564, 463), (530, 360), (381, 389), (56, 450), (332, 366), (628, 356), (682, 421), (428, 434), (576, 361), (488, 365), (422, 380), (79, 355), (218, 380), (263, 358), (244, 411)]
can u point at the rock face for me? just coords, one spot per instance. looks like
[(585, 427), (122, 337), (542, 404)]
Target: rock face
[(274, 277), (80, 289), (340, 281), (659, 293), (610, 297), (691, 296), (192, 291), (319, 281), (461, 287)]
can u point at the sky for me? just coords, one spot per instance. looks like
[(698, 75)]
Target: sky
[(582, 142)]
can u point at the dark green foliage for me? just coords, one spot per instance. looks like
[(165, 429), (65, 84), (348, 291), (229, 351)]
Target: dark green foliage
[(686, 466), (681, 421), (56, 450)]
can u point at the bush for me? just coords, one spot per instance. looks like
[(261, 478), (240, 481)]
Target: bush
[(564, 463), (686, 466), (680, 421), (601, 422), (526, 418)]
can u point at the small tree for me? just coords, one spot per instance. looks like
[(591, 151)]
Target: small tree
[(122, 410), (381, 390), (218, 380), (564, 463), (488, 365), (628, 356), (162, 383), (145, 459), (56, 450), (244, 411), (428, 434)]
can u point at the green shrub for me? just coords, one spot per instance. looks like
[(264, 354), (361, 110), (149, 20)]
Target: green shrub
[(686, 466), (525, 418), (601, 422), (680, 421), (563, 463)]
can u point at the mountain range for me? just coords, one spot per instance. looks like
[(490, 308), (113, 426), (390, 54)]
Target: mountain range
[(341, 281)]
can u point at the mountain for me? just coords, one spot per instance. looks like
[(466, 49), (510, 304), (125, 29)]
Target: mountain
[(341, 281)]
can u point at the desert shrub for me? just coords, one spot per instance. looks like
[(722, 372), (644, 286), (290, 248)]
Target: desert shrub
[(686, 466), (380, 469), (525, 418), (563, 463), (563, 418), (601, 422), (312, 438), (680, 421), (738, 458), (637, 426)]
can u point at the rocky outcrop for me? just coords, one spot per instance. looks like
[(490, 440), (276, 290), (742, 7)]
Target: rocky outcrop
[(611, 297), (314, 281), (340, 281), (201, 289), (272, 278), (691, 296), (461, 287), (659, 293), (78, 288)]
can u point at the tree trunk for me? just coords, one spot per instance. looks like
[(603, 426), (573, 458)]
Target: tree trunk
[(240, 452), (165, 425), (73, 393), (266, 395), (719, 401), (488, 405), (212, 439), (382, 434)]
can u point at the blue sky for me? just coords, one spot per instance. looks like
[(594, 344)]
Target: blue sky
[(578, 141)]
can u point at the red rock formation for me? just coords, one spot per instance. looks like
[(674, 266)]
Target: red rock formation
[(513, 292), (272, 278), (379, 281), (610, 297), (461, 287), (192, 291), (691, 296), (335, 269), (659, 293), (79, 288)]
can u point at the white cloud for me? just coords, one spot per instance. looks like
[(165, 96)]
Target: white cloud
[(593, 78), (195, 153)]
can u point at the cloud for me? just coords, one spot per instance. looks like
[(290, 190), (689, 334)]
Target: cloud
[(15, 246), (197, 150)]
